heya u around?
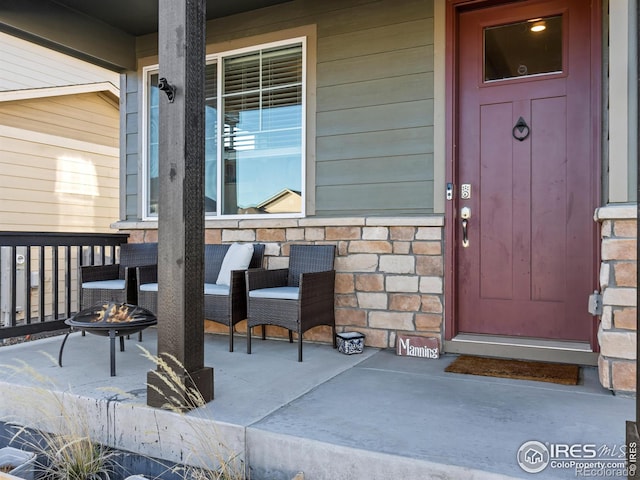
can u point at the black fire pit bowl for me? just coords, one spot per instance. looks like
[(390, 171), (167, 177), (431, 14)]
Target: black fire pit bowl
[(110, 320), (122, 317)]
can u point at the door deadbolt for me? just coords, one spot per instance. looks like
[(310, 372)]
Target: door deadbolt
[(465, 213)]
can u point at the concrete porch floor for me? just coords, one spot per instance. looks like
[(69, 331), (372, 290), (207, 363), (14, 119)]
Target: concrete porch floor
[(369, 416)]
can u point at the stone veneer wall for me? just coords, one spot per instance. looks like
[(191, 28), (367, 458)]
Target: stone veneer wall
[(389, 272), (618, 283)]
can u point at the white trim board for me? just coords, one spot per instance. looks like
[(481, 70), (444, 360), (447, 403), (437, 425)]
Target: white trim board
[(44, 92)]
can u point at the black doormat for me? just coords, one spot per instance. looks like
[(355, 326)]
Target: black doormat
[(561, 373)]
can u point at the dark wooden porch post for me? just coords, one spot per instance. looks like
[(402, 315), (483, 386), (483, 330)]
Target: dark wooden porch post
[(181, 48)]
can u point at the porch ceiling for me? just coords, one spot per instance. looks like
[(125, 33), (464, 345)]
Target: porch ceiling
[(101, 32), (140, 17)]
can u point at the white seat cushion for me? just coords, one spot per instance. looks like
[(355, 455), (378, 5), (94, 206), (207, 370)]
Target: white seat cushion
[(216, 289), (149, 287), (238, 257), (105, 284), (283, 293)]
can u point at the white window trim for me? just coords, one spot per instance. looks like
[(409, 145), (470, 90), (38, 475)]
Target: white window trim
[(218, 58)]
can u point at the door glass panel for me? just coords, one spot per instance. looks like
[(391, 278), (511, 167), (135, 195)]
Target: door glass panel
[(532, 47)]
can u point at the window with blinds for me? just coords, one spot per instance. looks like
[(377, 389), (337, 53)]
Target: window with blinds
[(262, 111), (261, 140)]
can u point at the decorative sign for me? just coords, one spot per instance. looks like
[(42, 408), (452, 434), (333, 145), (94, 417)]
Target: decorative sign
[(416, 346)]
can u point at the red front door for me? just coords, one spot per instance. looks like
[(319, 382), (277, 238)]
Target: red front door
[(526, 171)]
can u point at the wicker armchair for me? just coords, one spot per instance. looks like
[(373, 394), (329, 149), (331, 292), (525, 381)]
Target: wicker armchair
[(297, 298), (222, 304), (116, 283)]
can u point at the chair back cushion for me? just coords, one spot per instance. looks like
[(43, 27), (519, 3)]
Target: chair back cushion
[(309, 258), (137, 254), (238, 257), (214, 256)]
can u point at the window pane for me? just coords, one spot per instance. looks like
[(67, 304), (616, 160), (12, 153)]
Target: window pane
[(263, 132), (242, 73), (282, 66), (282, 108), (152, 152), (241, 112), (211, 139), (532, 47), (211, 135)]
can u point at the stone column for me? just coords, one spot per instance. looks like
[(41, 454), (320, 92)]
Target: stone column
[(181, 48), (618, 274)]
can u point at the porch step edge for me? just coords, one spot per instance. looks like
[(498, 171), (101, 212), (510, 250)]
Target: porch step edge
[(277, 455)]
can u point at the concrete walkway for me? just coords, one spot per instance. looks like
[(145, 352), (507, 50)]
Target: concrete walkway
[(370, 416)]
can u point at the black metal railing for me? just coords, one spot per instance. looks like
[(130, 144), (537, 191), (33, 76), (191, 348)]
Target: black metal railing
[(39, 275)]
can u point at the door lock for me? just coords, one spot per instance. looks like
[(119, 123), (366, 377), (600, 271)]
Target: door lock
[(465, 214)]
